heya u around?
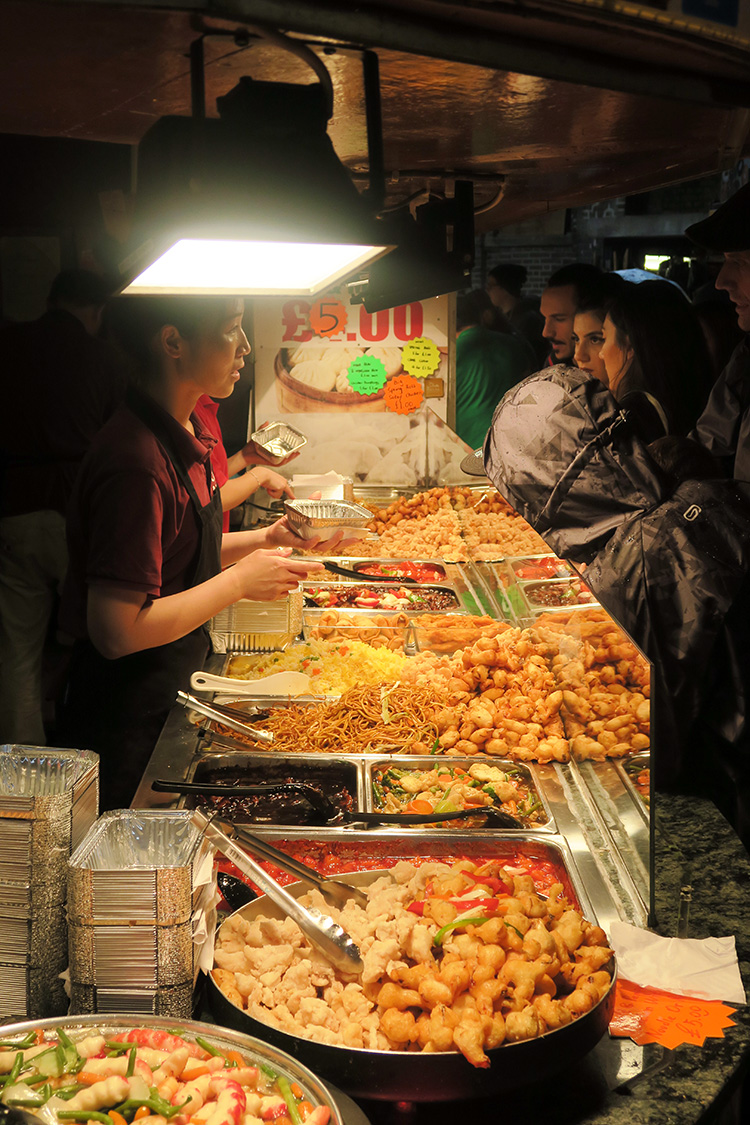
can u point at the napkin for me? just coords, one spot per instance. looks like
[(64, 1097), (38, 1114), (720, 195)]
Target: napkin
[(205, 898), (330, 485), (706, 968)]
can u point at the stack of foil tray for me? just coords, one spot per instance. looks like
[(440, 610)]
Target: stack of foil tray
[(133, 885), (49, 799)]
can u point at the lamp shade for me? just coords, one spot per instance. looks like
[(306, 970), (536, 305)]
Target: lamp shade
[(254, 202)]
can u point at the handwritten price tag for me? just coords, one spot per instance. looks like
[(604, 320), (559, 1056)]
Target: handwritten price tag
[(366, 374), (328, 317), (421, 357), (403, 394), (648, 1015)]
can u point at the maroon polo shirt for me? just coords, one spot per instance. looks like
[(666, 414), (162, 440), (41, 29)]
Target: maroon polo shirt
[(131, 521)]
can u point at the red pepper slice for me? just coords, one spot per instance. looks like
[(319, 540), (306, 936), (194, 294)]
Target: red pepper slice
[(490, 881), (416, 908)]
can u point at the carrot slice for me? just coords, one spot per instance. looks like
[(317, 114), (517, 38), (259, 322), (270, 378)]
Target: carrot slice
[(235, 1057), (117, 1118), (419, 806)]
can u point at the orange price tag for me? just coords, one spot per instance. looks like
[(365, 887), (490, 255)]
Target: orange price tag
[(328, 316), (403, 394), (648, 1015)]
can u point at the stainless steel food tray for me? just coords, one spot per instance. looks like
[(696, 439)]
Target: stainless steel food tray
[(353, 563), (640, 761), (313, 768), (422, 588), (528, 773), (535, 608), (377, 845), (515, 562)]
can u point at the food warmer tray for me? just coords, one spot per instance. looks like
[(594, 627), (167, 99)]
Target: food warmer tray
[(460, 577), (416, 1076), (356, 772), (626, 767), (442, 588), (496, 590)]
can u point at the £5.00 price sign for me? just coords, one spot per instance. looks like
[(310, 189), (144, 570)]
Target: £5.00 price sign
[(329, 317)]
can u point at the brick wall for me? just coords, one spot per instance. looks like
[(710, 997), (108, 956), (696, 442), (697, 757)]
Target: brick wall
[(540, 260)]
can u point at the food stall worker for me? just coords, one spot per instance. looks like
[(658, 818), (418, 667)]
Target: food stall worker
[(235, 484), (724, 426), (671, 563), (145, 541)]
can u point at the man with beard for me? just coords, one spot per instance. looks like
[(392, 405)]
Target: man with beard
[(569, 289)]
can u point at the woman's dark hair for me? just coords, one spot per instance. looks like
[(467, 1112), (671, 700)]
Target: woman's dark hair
[(133, 323), (670, 358), (601, 295)]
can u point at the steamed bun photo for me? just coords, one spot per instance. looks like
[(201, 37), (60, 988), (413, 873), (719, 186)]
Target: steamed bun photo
[(389, 357)]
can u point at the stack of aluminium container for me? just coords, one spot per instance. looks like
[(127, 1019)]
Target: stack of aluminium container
[(49, 799), (136, 885)]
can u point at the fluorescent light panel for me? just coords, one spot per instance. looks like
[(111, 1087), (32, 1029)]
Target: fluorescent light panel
[(194, 266)]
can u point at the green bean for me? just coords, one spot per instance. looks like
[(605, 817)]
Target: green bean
[(291, 1102)]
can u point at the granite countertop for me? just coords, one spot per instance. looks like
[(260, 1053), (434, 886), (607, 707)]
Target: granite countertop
[(695, 846)]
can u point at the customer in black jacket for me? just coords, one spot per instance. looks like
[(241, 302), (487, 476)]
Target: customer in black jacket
[(670, 561)]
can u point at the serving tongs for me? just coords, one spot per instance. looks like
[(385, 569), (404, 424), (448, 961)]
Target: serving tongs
[(326, 935), (225, 716), (369, 578)]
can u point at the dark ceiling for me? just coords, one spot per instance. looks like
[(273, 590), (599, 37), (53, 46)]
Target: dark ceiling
[(551, 103)]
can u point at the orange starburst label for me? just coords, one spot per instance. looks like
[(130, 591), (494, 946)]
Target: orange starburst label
[(648, 1015)]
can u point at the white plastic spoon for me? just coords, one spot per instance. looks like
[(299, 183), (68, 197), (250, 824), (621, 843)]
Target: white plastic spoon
[(279, 683)]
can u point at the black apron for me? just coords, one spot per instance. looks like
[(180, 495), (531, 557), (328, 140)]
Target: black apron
[(118, 707)]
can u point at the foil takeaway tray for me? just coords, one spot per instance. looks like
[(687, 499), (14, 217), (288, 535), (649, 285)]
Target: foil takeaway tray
[(135, 865), (308, 518), (279, 440), (131, 956)]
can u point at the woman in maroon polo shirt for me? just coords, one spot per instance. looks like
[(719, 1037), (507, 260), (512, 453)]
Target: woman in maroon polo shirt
[(148, 562)]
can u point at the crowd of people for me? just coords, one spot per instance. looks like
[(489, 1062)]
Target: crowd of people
[(630, 454)]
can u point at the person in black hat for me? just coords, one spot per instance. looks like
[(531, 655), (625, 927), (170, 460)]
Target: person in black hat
[(724, 426)]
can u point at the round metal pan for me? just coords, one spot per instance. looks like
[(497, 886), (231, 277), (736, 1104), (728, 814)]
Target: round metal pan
[(416, 1076), (227, 1040)]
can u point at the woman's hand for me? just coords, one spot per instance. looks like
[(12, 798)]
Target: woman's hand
[(266, 576), (274, 484), (280, 534)]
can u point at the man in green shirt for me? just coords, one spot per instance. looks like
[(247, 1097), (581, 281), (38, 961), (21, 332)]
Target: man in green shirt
[(488, 363)]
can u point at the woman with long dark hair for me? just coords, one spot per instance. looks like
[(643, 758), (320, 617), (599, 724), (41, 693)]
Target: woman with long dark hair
[(656, 360)]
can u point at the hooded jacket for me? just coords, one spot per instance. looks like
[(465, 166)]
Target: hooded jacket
[(669, 562)]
